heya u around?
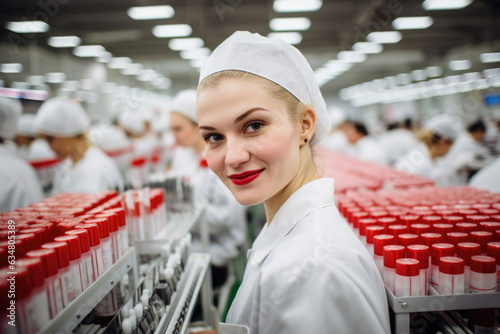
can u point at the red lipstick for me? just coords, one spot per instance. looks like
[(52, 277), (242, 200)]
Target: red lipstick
[(246, 177)]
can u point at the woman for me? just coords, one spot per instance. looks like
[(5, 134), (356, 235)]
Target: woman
[(64, 124), (260, 111)]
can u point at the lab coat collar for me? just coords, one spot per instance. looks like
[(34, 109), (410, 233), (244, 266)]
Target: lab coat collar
[(308, 198)]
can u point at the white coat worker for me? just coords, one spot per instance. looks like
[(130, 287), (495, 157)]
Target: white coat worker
[(29, 146), (399, 138), (136, 125), (361, 145), (436, 138), (336, 140), (223, 215), (19, 185), (488, 177), (85, 167), (260, 113)]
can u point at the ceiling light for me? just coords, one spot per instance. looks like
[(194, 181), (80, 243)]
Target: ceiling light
[(195, 53), (445, 4), (404, 78), (172, 30), (418, 75), (491, 57), (368, 47), (471, 76), (338, 65), (416, 22), (26, 27), (352, 56), (384, 37), (36, 80), (289, 37), (133, 69), (290, 23), (64, 41), (104, 57), (119, 62), (491, 73), (151, 12), (459, 65), (433, 71), (11, 68), (292, 6), (196, 62), (55, 77), (88, 50), (178, 44)]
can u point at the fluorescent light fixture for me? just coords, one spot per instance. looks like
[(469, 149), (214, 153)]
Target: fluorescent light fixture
[(445, 4), (459, 65), (88, 50), (104, 57), (178, 44), (133, 69), (352, 56), (384, 37), (64, 41), (471, 76), (490, 57), (36, 80), (368, 47), (491, 73), (338, 65), (27, 27), (292, 6), (434, 71), (151, 12), (87, 84), (290, 23), (20, 85), (415, 22), (11, 68), (404, 78), (55, 77), (289, 37), (172, 30), (195, 53), (418, 75), (72, 85), (119, 62), (196, 62)]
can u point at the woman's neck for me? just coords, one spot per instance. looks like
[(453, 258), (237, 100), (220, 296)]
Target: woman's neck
[(81, 147)]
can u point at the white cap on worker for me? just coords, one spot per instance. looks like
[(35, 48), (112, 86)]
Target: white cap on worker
[(109, 137), (274, 60), (185, 103), (10, 110), (337, 116), (445, 126), (133, 122), (61, 117), (26, 125)]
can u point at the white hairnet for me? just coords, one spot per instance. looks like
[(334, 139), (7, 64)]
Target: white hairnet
[(10, 110), (275, 60), (132, 122), (61, 117), (185, 103), (445, 126), (109, 138), (337, 116), (26, 125)]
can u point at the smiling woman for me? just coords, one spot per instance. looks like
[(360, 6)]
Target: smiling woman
[(260, 112)]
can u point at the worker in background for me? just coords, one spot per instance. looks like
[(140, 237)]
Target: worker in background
[(488, 178), (361, 145), (19, 185), (399, 138), (336, 140), (137, 127), (224, 216), (29, 146), (436, 138), (260, 113), (86, 168)]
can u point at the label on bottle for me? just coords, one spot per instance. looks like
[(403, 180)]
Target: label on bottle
[(77, 278), (107, 254), (68, 292), (37, 311), (119, 244), (58, 295)]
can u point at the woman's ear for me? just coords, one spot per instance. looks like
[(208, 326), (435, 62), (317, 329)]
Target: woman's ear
[(307, 124)]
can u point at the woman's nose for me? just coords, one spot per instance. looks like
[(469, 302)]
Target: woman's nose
[(236, 152)]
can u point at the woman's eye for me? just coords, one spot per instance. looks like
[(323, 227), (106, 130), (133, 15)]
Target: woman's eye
[(254, 127), (213, 138)]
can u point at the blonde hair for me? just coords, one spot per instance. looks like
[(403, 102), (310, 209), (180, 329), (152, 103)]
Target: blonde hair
[(428, 137)]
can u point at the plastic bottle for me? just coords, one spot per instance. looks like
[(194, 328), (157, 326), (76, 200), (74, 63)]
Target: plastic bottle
[(106, 245), (466, 227), (22, 296), (127, 326), (379, 241), (65, 275), (482, 238), (407, 280), (122, 227), (418, 229), (95, 248), (407, 239), (363, 223), (483, 275), (451, 279), (437, 251), (391, 254), (142, 324), (455, 238), (494, 252), (7, 310), (113, 233), (396, 229), (75, 261), (86, 267), (466, 250), (421, 253)]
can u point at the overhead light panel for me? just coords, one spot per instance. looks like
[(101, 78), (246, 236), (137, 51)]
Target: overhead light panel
[(133, 69), (11, 68), (27, 27), (445, 4), (459, 65), (490, 57), (491, 73), (416, 22), (290, 23), (338, 65), (179, 44), (195, 53), (119, 62), (64, 41), (88, 50), (292, 6), (55, 77), (384, 37), (172, 30), (151, 12), (289, 37), (368, 47), (104, 57), (418, 75), (352, 56), (434, 71), (196, 62)]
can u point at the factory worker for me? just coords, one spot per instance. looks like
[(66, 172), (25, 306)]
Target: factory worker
[(436, 138), (19, 183), (399, 138), (224, 216), (113, 141), (361, 145), (136, 125), (29, 146), (260, 113), (86, 168), (336, 139)]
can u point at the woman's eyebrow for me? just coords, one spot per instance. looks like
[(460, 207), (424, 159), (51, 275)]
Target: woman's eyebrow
[(211, 128), (246, 113)]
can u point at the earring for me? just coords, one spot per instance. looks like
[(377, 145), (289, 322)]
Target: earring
[(305, 140)]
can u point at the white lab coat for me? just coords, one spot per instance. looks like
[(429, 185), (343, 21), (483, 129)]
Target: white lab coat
[(397, 143), (488, 178), (307, 272), (367, 149), (94, 173), (464, 149), (145, 145), (19, 185), (40, 150)]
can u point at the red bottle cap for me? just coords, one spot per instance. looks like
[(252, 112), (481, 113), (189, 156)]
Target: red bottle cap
[(477, 218), (407, 239), (408, 267), (396, 229), (112, 218), (467, 212), (489, 226), (466, 227), (409, 219), (495, 218), (480, 206), (23, 288), (93, 230), (496, 236), (432, 220), (466, 250), (379, 214), (451, 265), (40, 235), (84, 239), (489, 212), (372, 231), (29, 241), (3, 257), (48, 258), (429, 239), (62, 252), (483, 264), (357, 216), (420, 228), (381, 240), (440, 250), (18, 246), (482, 238), (363, 223), (349, 211), (456, 237), (447, 212), (442, 228), (103, 224), (391, 254), (453, 220), (493, 250), (386, 222), (121, 215), (73, 242), (35, 269), (421, 253), (66, 226)]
